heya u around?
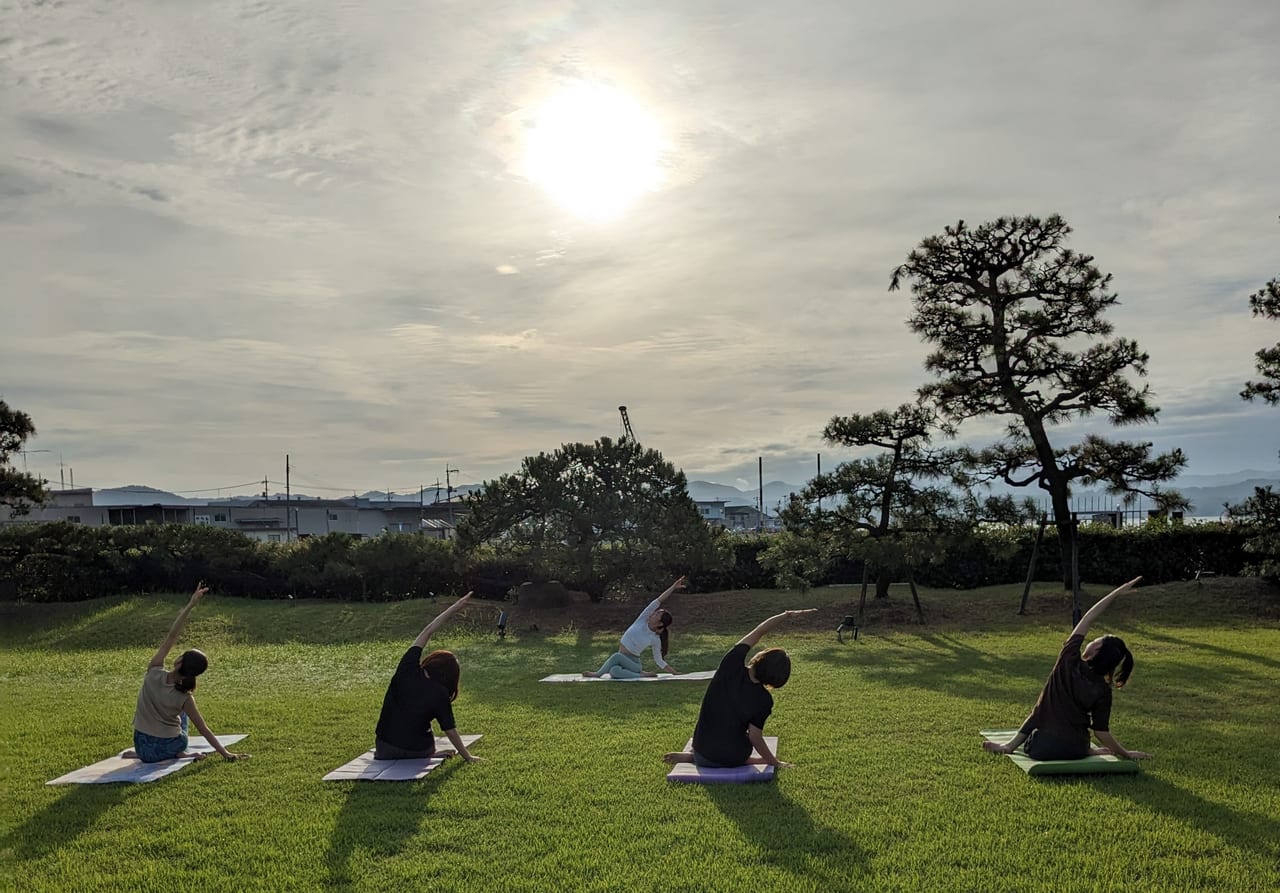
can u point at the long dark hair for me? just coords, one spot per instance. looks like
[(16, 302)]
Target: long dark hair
[(1113, 659), (443, 667), (665, 619), (188, 667)]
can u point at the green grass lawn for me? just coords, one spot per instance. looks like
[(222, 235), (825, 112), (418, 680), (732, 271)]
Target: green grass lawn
[(890, 792)]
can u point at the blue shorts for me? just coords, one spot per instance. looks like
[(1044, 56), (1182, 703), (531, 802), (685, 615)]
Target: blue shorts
[(151, 749)]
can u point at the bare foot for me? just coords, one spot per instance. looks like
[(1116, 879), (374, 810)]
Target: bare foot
[(591, 674), (994, 747), (191, 755), (649, 674), (129, 755), (677, 756)]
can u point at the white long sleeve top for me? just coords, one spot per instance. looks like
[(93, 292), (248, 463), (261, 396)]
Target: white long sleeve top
[(638, 636)]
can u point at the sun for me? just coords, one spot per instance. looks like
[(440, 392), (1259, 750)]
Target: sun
[(594, 150)]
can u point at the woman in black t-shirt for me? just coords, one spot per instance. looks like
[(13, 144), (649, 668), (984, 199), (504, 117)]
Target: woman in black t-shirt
[(1077, 698), (737, 703), (423, 689)]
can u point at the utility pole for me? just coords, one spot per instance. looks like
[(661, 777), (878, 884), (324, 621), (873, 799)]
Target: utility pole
[(760, 525), (448, 489), (287, 534), (264, 488), (24, 457), (422, 491)]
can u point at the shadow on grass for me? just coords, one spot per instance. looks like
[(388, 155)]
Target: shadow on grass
[(65, 819), (787, 835), (377, 819), (938, 662), (1202, 646), (1253, 831)]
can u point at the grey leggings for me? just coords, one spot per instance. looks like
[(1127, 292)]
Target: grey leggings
[(621, 666)]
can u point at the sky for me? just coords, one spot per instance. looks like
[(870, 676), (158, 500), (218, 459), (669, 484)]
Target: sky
[(393, 238)]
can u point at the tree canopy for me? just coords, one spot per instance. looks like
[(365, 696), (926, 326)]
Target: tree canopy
[(1265, 302), (18, 489), (890, 509), (1017, 322), (599, 514)]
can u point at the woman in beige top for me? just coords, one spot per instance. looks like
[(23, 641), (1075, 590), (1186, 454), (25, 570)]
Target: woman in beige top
[(166, 700)]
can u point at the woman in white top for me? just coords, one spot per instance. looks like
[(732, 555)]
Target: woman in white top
[(166, 700), (648, 631)]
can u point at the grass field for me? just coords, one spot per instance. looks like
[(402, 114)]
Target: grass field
[(890, 792)]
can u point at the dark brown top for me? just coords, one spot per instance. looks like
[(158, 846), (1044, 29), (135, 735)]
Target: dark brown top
[(1074, 700)]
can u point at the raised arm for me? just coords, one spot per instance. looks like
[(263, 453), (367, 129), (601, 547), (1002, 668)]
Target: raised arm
[(440, 621), (752, 638), (678, 584), (1092, 614), (157, 660)]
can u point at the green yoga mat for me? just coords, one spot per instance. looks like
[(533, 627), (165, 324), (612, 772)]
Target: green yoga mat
[(1085, 766)]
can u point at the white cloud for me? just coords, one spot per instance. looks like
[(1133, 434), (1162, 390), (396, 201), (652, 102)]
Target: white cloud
[(249, 227)]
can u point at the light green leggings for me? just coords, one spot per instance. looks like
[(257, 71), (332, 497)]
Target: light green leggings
[(621, 666)]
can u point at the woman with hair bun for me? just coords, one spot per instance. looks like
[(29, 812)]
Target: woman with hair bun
[(165, 701), (1077, 698), (422, 689)]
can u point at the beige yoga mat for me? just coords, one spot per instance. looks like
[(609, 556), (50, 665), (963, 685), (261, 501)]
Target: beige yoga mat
[(134, 771), (366, 768)]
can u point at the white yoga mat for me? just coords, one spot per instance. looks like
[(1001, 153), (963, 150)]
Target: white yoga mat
[(700, 676), (366, 768), (752, 772), (118, 769)]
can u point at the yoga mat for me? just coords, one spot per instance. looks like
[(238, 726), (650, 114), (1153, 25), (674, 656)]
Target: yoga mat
[(688, 773), (700, 676), (1084, 766), (118, 769), (366, 768)]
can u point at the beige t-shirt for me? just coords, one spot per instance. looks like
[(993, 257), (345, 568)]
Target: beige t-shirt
[(159, 704)]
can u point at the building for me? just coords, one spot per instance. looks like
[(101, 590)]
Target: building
[(266, 520)]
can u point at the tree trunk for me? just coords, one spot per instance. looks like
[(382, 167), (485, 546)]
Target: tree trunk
[(1062, 521), (884, 578)]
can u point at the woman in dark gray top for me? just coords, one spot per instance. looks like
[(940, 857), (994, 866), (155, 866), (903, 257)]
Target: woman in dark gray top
[(1077, 698)]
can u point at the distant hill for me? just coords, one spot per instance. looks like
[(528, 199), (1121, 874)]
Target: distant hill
[(775, 492), (1207, 492)]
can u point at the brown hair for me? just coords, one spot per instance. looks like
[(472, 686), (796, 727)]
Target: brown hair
[(1113, 659), (190, 665), (772, 667), (662, 633), (443, 667)]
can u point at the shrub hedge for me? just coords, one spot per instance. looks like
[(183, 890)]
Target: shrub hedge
[(68, 562)]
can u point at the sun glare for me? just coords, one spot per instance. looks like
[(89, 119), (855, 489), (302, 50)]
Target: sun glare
[(594, 150)]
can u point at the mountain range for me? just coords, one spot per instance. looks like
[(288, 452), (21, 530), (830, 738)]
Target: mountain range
[(1207, 493)]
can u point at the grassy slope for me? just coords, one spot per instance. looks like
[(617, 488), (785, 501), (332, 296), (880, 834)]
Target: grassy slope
[(890, 792)]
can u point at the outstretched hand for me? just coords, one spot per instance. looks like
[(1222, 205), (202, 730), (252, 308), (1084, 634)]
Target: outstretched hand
[(201, 589)]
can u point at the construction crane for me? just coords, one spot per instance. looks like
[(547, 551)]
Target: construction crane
[(627, 433)]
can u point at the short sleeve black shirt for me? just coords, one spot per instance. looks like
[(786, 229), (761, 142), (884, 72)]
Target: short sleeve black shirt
[(732, 702), (412, 701)]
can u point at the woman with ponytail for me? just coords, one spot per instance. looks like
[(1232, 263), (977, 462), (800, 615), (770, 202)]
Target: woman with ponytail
[(1077, 697), (421, 690), (166, 701), (648, 631)]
